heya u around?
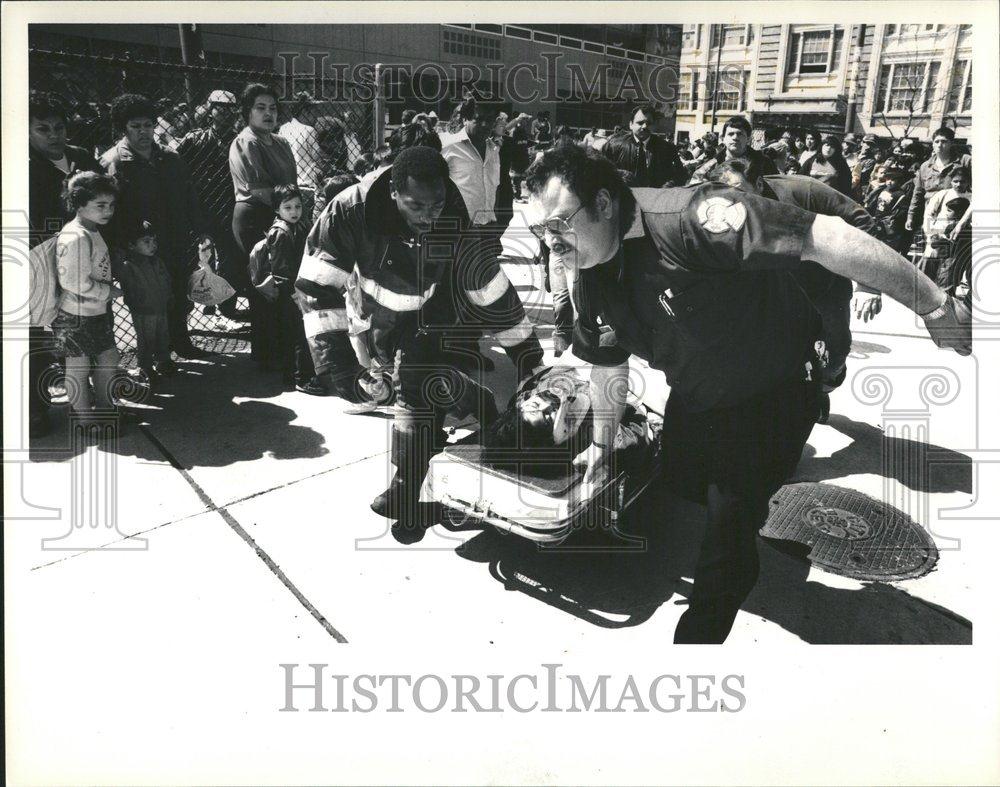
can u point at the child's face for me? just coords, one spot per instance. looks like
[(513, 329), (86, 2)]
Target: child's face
[(960, 183), (145, 245), (290, 210), (99, 210)]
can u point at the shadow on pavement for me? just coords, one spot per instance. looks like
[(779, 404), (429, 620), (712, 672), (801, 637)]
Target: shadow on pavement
[(617, 590), (946, 470), (196, 414), (875, 614)]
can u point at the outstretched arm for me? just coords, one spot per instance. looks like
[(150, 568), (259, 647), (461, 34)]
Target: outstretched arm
[(854, 254), (848, 251)]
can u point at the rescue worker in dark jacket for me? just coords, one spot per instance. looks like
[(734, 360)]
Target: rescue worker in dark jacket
[(831, 294), (697, 282), (648, 159), (393, 270)]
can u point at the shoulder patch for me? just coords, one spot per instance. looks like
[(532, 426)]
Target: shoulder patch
[(718, 214)]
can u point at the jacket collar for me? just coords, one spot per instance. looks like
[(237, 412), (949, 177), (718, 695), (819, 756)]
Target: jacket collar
[(382, 217), (636, 229), (125, 152), (73, 154)]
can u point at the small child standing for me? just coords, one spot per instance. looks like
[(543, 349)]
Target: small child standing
[(147, 286), (939, 224), (286, 241), (83, 326)]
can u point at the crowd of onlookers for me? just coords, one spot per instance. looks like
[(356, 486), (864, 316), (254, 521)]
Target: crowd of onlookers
[(234, 187)]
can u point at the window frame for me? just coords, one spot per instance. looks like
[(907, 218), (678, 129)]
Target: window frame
[(882, 102), (831, 32)]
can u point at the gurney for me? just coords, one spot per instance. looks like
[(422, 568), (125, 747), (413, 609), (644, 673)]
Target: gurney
[(536, 493)]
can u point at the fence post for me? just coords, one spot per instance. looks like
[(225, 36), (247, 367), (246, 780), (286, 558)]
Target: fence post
[(379, 106)]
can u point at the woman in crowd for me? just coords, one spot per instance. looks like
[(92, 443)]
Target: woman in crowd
[(829, 166), (259, 160)]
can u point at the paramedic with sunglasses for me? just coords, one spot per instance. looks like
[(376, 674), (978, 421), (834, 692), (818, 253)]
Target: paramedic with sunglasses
[(697, 281)]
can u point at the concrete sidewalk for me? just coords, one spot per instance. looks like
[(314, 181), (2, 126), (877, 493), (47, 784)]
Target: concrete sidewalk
[(236, 536), (275, 487)]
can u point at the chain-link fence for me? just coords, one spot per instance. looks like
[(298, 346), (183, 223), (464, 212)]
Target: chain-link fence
[(328, 137)]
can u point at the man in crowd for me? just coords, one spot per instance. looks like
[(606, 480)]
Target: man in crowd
[(735, 146), (155, 185), (206, 153), (647, 159), (697, 282), (473, 158), (303, 138), (392, 271), (50, 163), (934, 174), (850, 150), (861, 172)]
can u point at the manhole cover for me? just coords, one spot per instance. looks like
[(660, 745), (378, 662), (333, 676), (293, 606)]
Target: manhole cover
[(850, 533)]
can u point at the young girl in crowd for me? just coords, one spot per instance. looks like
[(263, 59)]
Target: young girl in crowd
[(286, 241), (147, 286), (83, 326)]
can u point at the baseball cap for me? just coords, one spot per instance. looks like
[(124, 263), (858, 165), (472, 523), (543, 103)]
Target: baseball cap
[(221, 97), (870, 138), (432, 114)]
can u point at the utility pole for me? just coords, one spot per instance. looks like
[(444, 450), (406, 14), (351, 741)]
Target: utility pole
[(718, 68), (192, 54)]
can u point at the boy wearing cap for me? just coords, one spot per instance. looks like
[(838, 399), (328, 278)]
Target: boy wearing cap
[(146, 286)]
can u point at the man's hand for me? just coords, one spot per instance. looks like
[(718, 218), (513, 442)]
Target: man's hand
[(268, 288), (866, 305), (951, 326), (595, 460), (911, 225)]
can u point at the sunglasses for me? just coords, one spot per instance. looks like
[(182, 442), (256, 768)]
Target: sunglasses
[(554, 226)]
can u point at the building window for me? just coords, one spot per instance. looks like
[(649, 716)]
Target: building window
[(689, 91), (960, 94), (814, 51), (691, 36), (457, 42), (513, 31), (732, 90), (906, 87), (732, 35)]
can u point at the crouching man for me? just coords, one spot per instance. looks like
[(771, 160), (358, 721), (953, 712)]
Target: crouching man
[(393, 283)]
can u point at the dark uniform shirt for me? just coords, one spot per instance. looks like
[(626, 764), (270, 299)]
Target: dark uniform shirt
[(701, 289)]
